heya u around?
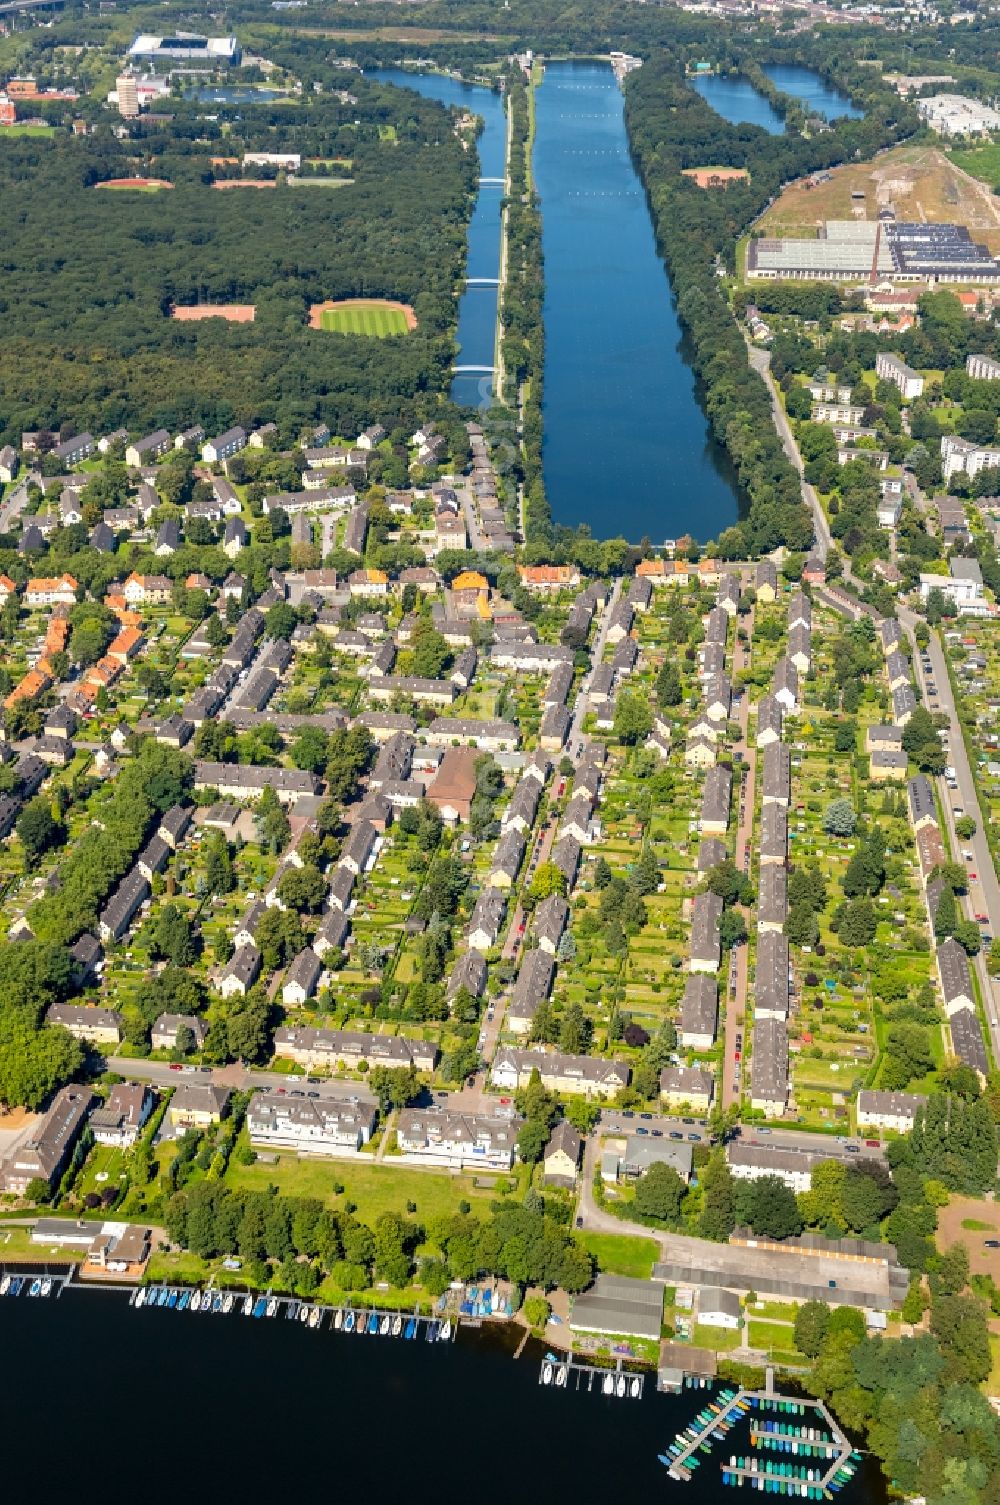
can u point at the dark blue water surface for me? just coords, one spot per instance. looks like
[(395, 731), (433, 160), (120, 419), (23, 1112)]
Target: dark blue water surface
[(239, 1410), (736, 100), (627, 447), (477, 310), (812, 90)]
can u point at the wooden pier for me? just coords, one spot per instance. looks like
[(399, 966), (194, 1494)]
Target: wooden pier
[(365, 1321), (564, 1372)]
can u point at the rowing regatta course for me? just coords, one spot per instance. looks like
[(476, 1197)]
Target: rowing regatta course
[(179, 1404)]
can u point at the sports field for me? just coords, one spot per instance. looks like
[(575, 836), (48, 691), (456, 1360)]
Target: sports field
[(376, 317)]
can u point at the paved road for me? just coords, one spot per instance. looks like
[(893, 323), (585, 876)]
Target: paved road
[(760, 360), (476, 540), (16, 500), (738, 966), (984, 889), (575, 741), (241, 1078)]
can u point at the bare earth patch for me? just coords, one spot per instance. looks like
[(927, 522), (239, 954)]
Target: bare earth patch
[(982, 1261), (236, 313), (920, 182)]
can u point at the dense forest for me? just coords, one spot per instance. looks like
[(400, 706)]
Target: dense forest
[(87, 277)]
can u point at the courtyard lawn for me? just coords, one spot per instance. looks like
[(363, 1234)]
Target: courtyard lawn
[(618, 1254), (374, 1188)]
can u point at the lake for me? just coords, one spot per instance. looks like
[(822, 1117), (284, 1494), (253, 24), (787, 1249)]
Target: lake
[(812, 90), (477, 309), (627, 448), (734, 98), (176, 1406)]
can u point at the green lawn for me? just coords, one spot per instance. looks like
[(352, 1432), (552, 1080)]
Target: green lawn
[(619, 1254), (27, 130), (373, 1188), (377, 321), (981, 161), (771, 1335)]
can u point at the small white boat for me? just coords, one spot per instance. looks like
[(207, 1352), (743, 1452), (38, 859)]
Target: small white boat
[(314, 1317), (4, 1285), (445, 1332), (248, 1307), (620, 1387), (140, 1296), (635, 1389), (338, 1318), (561, 1374), (227, 1302), (397, 1325), (303, 1313), (384, 1326), (35, 1287), (609, 1384), (547, 1375), (272, 1306), (46, 1286), (196, 1302)]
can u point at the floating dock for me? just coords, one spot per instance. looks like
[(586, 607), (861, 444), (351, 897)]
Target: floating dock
[(562, 1372), (835, 1459)]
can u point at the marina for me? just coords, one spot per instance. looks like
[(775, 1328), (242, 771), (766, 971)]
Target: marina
[(33, 1283), (770, 1430)]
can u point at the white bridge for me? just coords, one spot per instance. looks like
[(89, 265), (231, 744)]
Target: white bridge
[(482, 281), (474, 370), (491, 182)]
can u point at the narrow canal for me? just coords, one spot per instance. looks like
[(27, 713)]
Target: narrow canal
[(477, 310), (627, 447)]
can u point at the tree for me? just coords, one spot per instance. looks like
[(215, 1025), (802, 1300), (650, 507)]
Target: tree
[(548, 880), (669, 690), (967, 935), (918, 731), (536, 1313), (532, 1139), (429, 652), (659, 1193), (965, 827), (220, 877), (732, 929), (840, 818), (770, 1208), (281, 620), (271, 822), (311, 749), (37, 831), (302, 888), (633, 718), (856, 923), (946, 914), (801, 926), (811, 1323), (173, 937)]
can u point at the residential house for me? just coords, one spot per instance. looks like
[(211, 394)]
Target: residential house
[(333, 1049), (716, 800), (453, 787), (195, 1105), (507, 859), (771, 979), (120, 1121), (687, 1087), (457, 1141), (776, 781), (224, 446), (167, 1026), (240, 972), (706, 949), (313, 1125), (889, 1110), (561, 1160), (699, 1015), (581, 1076), (98, 1026), (719, 1308), (44, 1154)]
